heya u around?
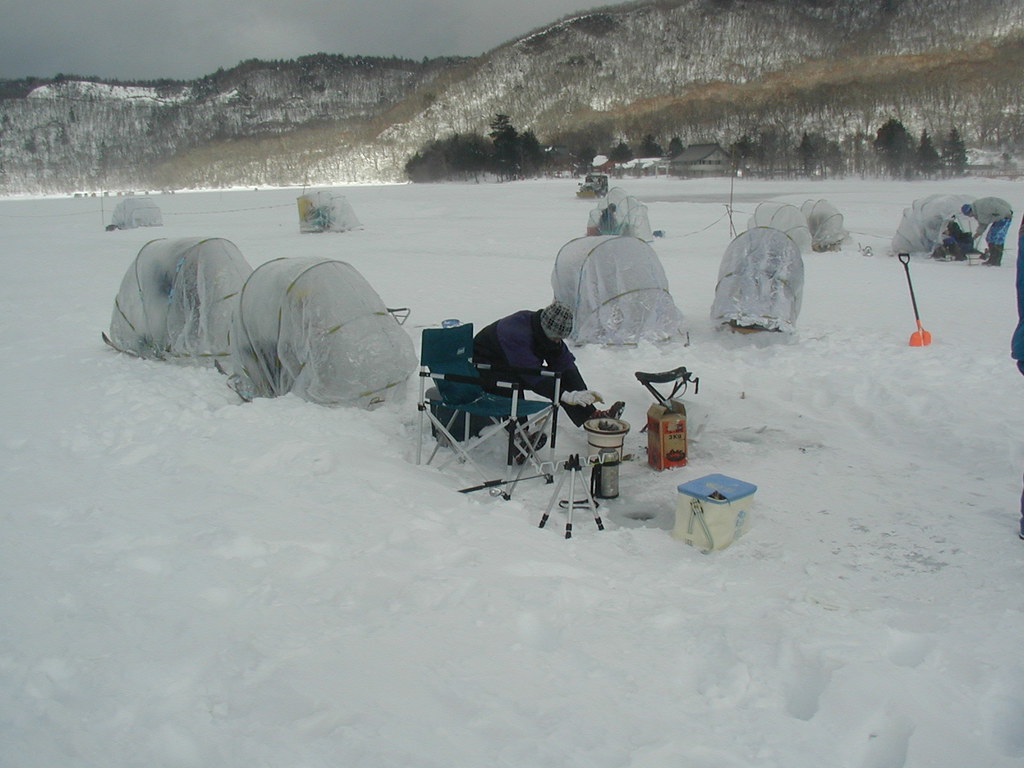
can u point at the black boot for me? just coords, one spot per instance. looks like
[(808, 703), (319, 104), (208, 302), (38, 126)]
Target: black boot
[(995, 255)]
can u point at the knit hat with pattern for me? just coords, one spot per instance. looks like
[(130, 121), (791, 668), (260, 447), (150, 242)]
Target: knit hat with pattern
[(556, 320)]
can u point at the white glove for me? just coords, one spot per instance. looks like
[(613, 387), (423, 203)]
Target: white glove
[(581, 397)]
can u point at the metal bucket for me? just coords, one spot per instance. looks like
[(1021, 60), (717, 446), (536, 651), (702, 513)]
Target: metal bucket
[(605, 438)]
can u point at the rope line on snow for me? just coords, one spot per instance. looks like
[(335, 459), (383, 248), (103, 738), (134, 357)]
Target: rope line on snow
[(34, 216), (704, 229), (172, 213), (231, 210)]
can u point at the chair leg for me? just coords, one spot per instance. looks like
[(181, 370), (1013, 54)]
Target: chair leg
[(458, 450), (419, 436), (446, 433)]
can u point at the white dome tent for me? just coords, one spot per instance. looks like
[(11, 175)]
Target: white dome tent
[(177, 298), (826, 225), (135, 212), (920, 229), (325, 212), (760, 282), (620, 214), (785, 218), (315, 327), (617, 289)]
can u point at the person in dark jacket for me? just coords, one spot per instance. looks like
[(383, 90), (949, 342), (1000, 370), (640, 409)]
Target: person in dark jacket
[(956, 244), (1017, 342), (534, 339)]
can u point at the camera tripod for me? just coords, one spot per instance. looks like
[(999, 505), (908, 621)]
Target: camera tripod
[(572, 468)]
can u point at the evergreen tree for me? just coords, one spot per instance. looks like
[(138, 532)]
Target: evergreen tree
[(532, 154), (467, 155), (810, 153), (742, 150), (954, 154), (675, 147), (819, 156), (771, 150), (649, 147), (833, 162), (425, 166), (928, 161), (583, 159), (621, 153), (460, 156), (507, 155), (894, 148)]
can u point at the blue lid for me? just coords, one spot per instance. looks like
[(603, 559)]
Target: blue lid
[(714, 487)]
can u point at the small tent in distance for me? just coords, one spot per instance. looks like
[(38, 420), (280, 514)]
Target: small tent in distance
[(620, 214), (617, 289), (826, 225), (316, 328), (326, 212), (760, 282), (923, 223), (176, 299), (135, 212), (785, 218)]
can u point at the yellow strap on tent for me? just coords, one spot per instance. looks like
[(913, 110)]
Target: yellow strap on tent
[(120, 311), (632, 290)]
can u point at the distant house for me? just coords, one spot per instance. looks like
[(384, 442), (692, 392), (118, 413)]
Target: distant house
[(702, 160), (644, 166)]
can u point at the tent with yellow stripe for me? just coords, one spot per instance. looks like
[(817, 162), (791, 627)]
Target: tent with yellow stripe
[(617, 289), (316, 328), (177, 298)]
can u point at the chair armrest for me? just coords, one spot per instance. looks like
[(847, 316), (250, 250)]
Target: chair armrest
[(515, 369), (478, 380)]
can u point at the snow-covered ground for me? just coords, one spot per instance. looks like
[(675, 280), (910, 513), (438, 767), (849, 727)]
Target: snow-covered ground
[(188, 580)]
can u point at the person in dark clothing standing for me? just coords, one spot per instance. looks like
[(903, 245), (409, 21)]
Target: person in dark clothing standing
[(1017, 342), (534, 339)]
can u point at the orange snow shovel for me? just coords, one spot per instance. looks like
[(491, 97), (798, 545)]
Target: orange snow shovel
[(920, 337)]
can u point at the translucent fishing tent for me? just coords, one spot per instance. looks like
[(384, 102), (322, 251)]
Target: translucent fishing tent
[(920, 229), (620, 214), (617, 289), (785, 218), (177, 298), (135, 212), (316, 328), (760, 282), (326, 212), (826, 225)]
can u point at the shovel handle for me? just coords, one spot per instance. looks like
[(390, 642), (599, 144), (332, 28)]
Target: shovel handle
[(905, 261)]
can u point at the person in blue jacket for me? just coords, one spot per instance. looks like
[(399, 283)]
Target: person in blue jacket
[(534, 339), (1017, 342)]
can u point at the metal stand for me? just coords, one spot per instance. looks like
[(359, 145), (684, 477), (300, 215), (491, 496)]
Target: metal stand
[(677, 377), (573, 469)]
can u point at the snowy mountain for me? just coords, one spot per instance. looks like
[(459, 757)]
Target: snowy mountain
[(702, 70)]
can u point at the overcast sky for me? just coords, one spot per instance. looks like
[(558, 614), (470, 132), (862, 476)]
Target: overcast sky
[(184, 39)]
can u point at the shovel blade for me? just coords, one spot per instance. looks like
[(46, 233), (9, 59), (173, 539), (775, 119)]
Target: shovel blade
[(920, 338)]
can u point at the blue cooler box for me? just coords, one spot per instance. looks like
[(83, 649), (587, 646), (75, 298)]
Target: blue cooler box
[(712, 511)]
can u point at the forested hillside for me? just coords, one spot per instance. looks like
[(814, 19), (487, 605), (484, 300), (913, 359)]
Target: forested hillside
[(769, 71)]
